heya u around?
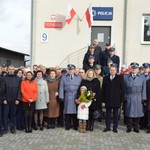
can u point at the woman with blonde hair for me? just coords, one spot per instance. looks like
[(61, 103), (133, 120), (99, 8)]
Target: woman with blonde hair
[(93, 84)]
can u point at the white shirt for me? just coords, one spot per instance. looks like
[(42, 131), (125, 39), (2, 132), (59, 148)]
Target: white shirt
[(112, 77)]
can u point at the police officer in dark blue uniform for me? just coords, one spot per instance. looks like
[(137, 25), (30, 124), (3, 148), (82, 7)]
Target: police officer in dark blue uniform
[(105, 55), (114, 57), (90, 52)]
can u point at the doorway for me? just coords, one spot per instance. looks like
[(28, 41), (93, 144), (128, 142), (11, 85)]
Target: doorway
[(102, 33)]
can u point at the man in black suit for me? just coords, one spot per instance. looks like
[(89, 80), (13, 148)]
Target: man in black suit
[(113, 92)]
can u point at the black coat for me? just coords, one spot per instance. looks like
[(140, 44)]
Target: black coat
[(148, 94), (113, 91), (94, 86), (98, 53), (105, 57), (88, 66), (12, 91), (2, 89), (116, 60), (86, 58)]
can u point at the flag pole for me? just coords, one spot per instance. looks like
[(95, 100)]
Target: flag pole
[(84, 14)]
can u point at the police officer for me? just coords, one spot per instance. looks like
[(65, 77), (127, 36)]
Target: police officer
[(146, 67), (90, 52), (98, 70), (105, 55), (69, 85), (134, 97), (112, 56), (90, 64), (146, 74)]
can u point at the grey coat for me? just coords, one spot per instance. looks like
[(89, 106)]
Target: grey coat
[(68, 92), (43, 95), (135, 93)]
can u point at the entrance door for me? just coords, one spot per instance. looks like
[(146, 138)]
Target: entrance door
[(102, 33)]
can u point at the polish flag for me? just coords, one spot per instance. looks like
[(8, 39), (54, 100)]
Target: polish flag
[(70, 14), (89, 16)]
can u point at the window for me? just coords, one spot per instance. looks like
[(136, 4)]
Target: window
[(8, 62), (146, 29)]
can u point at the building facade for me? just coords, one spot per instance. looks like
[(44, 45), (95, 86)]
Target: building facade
[(9, 57), (120, 23)]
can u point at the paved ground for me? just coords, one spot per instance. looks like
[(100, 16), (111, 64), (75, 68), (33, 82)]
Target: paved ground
[(60, 139)]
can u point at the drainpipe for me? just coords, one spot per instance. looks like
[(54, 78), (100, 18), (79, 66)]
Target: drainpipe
[(124, 54), (32, 52)]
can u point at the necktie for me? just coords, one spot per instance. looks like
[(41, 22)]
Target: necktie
[(71, 77), (133, 76)]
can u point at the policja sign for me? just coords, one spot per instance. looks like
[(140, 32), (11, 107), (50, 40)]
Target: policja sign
[(102, 13)]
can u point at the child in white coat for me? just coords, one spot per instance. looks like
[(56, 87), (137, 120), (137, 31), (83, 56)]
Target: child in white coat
[(83, 109)]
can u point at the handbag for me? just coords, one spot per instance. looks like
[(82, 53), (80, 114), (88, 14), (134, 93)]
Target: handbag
[(96, 114)]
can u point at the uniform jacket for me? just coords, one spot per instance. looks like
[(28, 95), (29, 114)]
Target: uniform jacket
[(113, 91), (29, 90), (98, 52), (43, 95), (135, 93), (147, 77), (148, 94), (12, 92), (88, 66), (105, 56), (68, 92), (115, 60), (86, 58)]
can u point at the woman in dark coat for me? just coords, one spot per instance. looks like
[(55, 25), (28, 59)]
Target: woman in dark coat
[(93, 84), (113, 92)]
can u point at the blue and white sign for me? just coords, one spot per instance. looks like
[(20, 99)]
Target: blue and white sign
[(102, 13)]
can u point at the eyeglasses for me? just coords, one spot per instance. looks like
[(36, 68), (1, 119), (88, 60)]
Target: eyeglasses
[(81, 72)]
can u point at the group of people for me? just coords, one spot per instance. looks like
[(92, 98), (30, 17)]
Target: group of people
[(74, 97)]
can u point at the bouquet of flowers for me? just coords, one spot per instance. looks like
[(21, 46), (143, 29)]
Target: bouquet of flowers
[(86, 97)]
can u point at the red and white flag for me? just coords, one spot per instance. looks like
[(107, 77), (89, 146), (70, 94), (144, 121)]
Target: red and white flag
[(70, 14), (89, 16)]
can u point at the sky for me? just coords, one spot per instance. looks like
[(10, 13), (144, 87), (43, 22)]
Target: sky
[(15, 25)]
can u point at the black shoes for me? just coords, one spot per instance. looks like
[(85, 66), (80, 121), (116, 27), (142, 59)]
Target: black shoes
[(128, 130), (115, 130), (5, 131), (106, 129), (148, 131), (53, 126), (41, 127), (30, 129), (36, 127), (136, 130), (48, 126), (13, 131), (68, 128), (1, 133)]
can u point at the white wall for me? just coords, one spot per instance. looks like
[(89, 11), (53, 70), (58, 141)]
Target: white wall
[(135, 50), (71, 37)]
